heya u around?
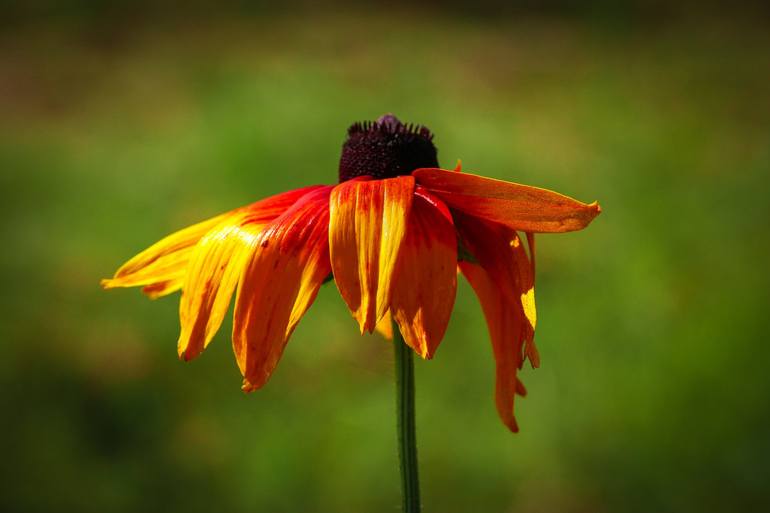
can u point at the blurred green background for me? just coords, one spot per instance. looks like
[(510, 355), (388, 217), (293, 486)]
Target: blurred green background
[(121, 123)]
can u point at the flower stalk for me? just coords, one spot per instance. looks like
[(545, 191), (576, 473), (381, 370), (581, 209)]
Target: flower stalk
[(407, 441)]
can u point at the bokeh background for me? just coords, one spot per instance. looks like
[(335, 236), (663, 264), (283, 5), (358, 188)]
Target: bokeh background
[(121, 122)]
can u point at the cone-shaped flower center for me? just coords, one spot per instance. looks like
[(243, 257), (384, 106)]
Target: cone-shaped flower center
[(386, 148)]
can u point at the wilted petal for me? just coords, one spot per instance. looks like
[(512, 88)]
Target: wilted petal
[(505, 333), (367, 226), (216, 265), (504, 283), (425, 280), (214, 271), (520, 207), (281, 279), (500, 252), (162, 267)]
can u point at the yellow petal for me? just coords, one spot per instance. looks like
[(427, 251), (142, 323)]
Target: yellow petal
[(165, 262), (528, 305), (214, 271), (367, 226), (385, 326)]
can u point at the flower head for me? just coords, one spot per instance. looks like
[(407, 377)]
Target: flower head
[(389, 235), (386, 148)]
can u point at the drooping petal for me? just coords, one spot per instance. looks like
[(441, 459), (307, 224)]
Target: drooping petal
[(214, 271), (280, 281), (367, 227), (504, 331), (504, 283), (499, 250), (425, 280), (216, 265), (161, 268), (520, 207)]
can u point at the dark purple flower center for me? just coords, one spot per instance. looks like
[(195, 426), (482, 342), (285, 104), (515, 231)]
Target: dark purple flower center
[(386, 148)]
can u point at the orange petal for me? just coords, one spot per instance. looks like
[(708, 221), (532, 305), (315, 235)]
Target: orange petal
[(504, 331), (216, 265), (367, 226), (425, 280), (520, 207), (280, 281)]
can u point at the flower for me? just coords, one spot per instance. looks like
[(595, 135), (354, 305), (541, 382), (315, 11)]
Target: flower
[(392, 234)]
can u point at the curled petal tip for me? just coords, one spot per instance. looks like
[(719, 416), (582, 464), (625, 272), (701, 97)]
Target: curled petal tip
[(583, 218), (185, 354), (363, 327), (109, 283), (512, 426), (593, 210), (248, 386)]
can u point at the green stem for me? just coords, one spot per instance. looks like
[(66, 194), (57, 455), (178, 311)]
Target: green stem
[(407, 443)]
